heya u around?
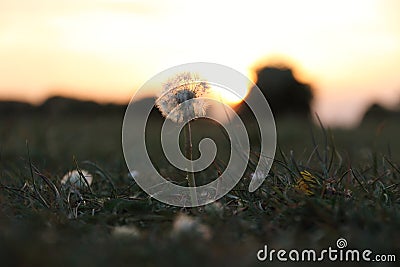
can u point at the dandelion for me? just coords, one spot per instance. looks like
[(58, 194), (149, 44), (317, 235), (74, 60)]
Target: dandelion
[(75, 179), (174, 104), (176, 93)]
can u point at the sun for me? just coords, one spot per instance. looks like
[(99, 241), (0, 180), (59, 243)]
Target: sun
[(226, 96)]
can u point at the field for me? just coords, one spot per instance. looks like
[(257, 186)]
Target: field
[(352, 192)]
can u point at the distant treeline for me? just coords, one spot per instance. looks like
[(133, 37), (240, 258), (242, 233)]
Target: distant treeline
[(285, 94), (58, 106), (66, 106)]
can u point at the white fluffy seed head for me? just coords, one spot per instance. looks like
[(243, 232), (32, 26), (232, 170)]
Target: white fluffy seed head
[(175, 94)]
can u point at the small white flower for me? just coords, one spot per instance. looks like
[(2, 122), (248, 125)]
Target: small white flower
[(176, 91), (75, 179)]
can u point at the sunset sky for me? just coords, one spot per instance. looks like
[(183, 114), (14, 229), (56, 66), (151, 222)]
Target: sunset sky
[(348, 50)]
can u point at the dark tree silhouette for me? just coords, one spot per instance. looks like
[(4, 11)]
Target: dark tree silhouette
[(285, 94), (13, 108), (376, 112)]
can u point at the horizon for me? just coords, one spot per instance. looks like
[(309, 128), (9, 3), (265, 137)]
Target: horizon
[(348, 51)]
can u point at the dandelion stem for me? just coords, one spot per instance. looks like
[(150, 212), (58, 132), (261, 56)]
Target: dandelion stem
[(189, 155)]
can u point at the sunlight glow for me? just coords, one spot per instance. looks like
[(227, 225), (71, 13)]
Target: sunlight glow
[(225, 96)]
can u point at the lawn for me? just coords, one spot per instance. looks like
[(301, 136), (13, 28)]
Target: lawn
[(352, 192)]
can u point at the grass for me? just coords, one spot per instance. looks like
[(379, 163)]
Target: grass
[(353, 192)]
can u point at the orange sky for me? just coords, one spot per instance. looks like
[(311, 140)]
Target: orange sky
[(104, 50)]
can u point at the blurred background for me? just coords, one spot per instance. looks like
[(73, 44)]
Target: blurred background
[(344, 54)]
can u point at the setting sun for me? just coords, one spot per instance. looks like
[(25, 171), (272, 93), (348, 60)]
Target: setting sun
[(226, 96)]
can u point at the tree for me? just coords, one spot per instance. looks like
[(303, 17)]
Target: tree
[(285, 94)]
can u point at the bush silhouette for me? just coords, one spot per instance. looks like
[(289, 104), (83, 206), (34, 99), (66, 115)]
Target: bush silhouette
[(285, 94), (379, 113)]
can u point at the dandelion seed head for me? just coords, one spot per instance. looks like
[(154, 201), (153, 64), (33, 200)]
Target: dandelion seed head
[(175, 95), (184, 95)]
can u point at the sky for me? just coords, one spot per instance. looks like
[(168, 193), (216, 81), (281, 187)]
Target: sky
[(348, 50)]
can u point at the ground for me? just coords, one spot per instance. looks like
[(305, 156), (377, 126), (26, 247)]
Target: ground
[(324, 185)]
